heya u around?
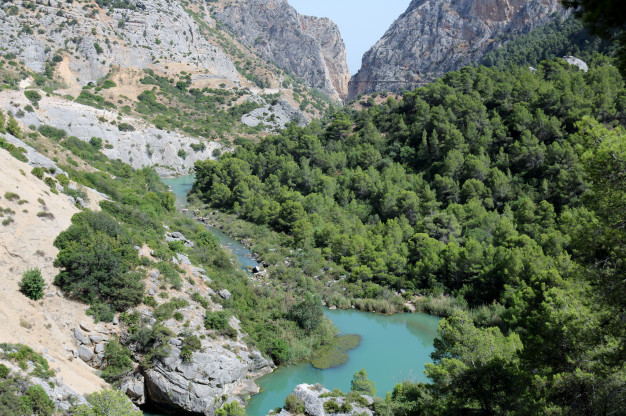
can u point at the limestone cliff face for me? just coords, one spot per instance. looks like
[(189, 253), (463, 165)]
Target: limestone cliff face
[(309, 47), (436, 36), (155, 34)]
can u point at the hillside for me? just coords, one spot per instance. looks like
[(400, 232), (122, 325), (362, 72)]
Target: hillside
[(156, 69), (433, 37), (26, 242)]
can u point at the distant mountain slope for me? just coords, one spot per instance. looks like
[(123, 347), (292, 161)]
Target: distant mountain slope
[(437, 36), (309, 47)]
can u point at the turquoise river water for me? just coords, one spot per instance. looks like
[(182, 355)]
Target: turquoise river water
[(393, 348)]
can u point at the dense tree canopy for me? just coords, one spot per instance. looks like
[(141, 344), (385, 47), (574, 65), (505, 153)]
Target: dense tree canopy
[(454, 189), (497, 187)]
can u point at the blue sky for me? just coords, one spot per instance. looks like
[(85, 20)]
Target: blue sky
[(362, 22)]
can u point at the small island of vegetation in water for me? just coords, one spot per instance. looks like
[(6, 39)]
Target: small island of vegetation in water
[(335, 353)]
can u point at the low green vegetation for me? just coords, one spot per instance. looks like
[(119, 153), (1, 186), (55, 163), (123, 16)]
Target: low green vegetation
[(335, 353), (172, 106), (32, 284), (16, 152), (117, 362), (22, 355), (109, 403)]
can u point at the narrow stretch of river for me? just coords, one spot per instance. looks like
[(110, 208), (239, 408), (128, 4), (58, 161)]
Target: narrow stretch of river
[(393, 348), (180, 187)]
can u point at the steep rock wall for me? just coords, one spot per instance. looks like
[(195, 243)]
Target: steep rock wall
[(436, 36)]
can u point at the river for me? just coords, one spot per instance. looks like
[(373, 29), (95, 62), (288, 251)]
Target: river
[(393, 348)]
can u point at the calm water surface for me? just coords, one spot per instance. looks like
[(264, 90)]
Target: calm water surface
[(393, 348)]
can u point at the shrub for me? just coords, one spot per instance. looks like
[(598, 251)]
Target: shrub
[(125, 127), (38, 172), (4, 371), (294, 404), (95, 254), (45, 214), (117, 361), (107, 402), (182, 153), (96, 142), (101, 312), (198, 147), (331, 406), (108, 84), (98, 48), (52, 132), (32, 95), (37, 401), (216, 320), (63, 180), (191, 344), (32, 284), (361, 383), (176, 246), (14, 128), (150, 301), (11, 196), (50, 182)]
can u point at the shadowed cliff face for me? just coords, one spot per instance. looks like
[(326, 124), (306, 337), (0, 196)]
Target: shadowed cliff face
[(309, 47), (436, 36)]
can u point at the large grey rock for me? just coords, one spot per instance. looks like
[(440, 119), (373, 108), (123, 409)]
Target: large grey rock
[(314, 404), (198, 386), (85, 354), (433, 37), (79, 336), (310, 47), (276, 115), (572, 60), (225, 294), (309, 394), (133, 387)]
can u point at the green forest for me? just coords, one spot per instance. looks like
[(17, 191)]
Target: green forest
[(503, 189)]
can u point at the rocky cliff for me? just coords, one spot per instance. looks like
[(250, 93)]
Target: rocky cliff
[(436, 36), (309, 47)]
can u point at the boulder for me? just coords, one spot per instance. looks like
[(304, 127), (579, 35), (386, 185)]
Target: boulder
[(183, 259), (309, 394), (85, 354), (79, 336), (225, 294), (572, 60), (197, 386), (133, 387)]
